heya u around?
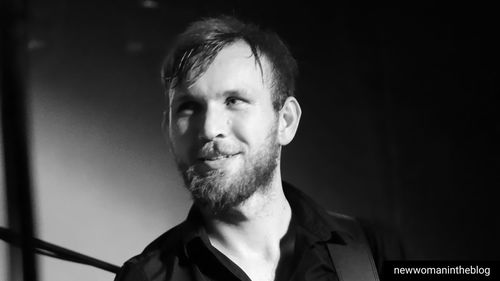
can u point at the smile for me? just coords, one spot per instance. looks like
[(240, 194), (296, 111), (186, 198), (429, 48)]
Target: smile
[(215, 162), (218, 157)]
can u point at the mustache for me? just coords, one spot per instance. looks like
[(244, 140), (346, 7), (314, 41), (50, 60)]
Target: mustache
[(215, 149)]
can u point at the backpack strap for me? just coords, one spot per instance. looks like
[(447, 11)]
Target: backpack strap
[(351, 255)]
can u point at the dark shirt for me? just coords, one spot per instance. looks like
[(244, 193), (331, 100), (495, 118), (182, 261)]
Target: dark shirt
[(186, 251)]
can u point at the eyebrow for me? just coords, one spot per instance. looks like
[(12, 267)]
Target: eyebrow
[(180, 95), (182, 98), (235, 92), (186, 95)]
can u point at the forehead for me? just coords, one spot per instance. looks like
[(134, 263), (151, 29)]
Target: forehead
[(234, 68)]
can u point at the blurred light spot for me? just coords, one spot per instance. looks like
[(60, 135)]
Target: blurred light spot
[(149, 4), (134, 47), (35, 44)]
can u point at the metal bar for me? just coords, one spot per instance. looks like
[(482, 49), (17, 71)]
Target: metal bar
[(52, 250), (13, 73)]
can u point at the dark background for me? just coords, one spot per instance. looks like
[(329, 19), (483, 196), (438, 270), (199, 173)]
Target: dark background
[(399, 105)]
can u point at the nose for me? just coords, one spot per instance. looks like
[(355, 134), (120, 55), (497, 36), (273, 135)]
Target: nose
[(214, 123)]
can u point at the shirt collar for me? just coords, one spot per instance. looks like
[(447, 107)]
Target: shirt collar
[(310, 217), (194, 231)]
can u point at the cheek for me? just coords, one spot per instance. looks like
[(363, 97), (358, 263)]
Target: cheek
[(181, 131), (241, 126), (253, 130), (177, 135), (180, 126)]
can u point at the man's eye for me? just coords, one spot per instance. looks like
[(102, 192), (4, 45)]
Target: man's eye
[(233, 101)]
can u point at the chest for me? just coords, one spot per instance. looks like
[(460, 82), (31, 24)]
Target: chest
[(258, 270)]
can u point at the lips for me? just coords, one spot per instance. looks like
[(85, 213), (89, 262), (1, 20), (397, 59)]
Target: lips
[(215, 162), (216, 157)]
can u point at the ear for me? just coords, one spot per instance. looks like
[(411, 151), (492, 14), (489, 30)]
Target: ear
[(289, 117)]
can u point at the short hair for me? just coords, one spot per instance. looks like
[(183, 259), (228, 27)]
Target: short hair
[(196, 48)]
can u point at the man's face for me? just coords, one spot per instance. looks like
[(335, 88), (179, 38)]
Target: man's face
[(223, 130)]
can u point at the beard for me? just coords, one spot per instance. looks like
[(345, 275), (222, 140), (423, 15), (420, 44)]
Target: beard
[(219, 191)]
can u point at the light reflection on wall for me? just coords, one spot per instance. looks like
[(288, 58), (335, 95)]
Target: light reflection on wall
[(102, 188)]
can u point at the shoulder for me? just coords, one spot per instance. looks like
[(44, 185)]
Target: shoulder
[(345, 223), (157, 259)]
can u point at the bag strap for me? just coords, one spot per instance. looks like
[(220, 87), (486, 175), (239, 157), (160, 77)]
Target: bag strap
[(352, 262), (352, 259)]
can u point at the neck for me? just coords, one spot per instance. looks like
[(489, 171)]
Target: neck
[(256, 226)]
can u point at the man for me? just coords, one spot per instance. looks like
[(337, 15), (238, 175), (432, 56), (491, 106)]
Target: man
[(231, 107)]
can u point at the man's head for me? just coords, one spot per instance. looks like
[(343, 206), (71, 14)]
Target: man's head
[(231, 108), (196, 48)]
